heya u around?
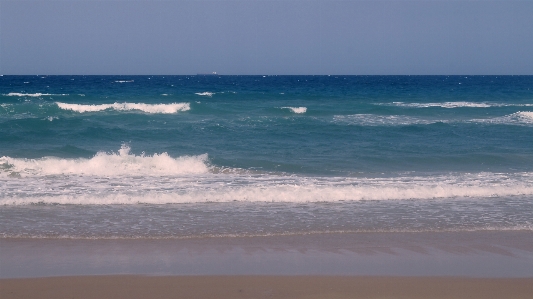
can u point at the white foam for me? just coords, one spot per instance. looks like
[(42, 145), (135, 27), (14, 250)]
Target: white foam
[(450, 105), (127, 179), (518, 118), (444, 105), (298, 110), (17, 94), (205, 93), (381, 120), (124, 81), (526, 115), (148, 108), (105, 164)]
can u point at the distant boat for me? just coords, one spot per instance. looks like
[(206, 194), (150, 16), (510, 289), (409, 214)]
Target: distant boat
[(207, 74)]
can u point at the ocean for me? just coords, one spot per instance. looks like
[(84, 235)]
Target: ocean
[(170, 157)]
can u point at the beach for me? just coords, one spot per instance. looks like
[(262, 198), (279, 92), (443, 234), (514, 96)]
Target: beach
[(296, 287), (371, 265)]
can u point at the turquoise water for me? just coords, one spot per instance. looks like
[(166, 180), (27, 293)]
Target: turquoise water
[(353, 153)]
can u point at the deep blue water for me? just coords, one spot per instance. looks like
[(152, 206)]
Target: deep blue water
[(97, 141)]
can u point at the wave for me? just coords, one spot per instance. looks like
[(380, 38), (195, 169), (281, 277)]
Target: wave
[(148, 108), (518, 118), (297, 110), (205, 93), (124, 81), (381, 120), (123, 178), (125, 192), (450, 105), (16, 94), (105, 164)]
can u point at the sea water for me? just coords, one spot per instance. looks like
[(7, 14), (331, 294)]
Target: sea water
[(199, 156)]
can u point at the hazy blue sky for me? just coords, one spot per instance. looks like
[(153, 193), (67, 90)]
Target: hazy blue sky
[(266, 37)]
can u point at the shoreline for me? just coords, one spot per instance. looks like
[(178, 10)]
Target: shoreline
[(295, 287)]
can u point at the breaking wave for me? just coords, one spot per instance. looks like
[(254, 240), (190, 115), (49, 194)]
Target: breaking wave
[(518, 118), (105, 164), (16, 94), (148, 108), (298, 110), (381, 120), (450, 105), (206, 93), (124, 178)]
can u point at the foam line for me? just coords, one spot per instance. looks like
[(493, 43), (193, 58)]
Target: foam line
[(381, 120), (148, 108), (206, 93), (451, 105), (275, 193), (16, 94), (518, 118)]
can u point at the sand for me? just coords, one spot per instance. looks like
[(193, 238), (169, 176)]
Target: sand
[(362, 265), (221, 287), (447, 254)]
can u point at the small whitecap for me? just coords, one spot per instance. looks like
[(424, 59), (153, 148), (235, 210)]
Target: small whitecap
[(148, 108), (381, 120), (442, 105), (205, 93), (520, 118), (298, 110)]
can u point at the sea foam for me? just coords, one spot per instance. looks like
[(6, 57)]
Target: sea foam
[(443, 105), (122, 178), (105, 164), (17, 94), (205, 93), (297, 110), (518, 118), (381, 120), (450, 105), (148, 108), (122, 191)]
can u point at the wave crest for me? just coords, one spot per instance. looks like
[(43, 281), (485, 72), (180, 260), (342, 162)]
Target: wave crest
[(35, 95), (106, 164), (148, 108), (518, 118), (298, 110), (205, 93), (381, 120), (450, 105)]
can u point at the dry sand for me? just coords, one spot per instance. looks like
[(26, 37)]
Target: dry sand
[(220, 287)]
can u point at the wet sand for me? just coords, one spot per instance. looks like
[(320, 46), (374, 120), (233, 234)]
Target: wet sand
[(465, 254), (221, 287), (347, 265)]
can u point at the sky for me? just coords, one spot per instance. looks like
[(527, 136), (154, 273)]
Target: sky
[(266, 37)]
